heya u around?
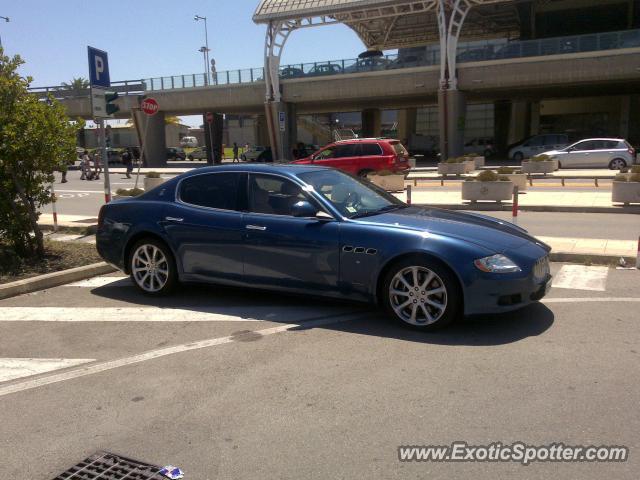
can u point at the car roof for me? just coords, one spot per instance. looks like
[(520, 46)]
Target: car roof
[(257, 168), (602, 138), (371, 139)]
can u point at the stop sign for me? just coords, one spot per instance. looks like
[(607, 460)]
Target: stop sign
[(209, 117), (150, 106)]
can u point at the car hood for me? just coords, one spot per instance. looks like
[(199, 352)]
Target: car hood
[(553, 152), (488, 232)]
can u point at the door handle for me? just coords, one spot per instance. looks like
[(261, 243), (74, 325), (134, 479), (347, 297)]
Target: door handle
[(173, 219), (256, 227)]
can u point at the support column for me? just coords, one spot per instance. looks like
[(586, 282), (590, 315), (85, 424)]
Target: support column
[(518, 122), (283, 129), (407, 121), (371, 123), (213, 135), (154, 140), (534, 126), (625, 110), (501, 114), (452, 110), (262, 131)]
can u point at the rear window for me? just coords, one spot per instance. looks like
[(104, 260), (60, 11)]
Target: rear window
[(215, 190), (399, 148), (370, 149)]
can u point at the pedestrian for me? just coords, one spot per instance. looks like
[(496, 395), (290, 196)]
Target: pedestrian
[(128, 162), (97, 165), (85, 166), (235, 153)]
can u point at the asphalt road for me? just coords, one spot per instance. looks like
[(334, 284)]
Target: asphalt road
[(78, 197), (235, 393)]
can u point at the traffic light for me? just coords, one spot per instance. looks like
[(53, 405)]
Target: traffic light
[(109, 98)]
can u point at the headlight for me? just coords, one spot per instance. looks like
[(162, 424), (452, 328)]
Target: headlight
[(496, 264)]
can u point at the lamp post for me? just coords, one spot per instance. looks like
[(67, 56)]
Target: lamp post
[(6, 19), (205, 54), (206, 46)]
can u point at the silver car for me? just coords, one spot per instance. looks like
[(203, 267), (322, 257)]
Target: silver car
[(613, 153), (532, 146)]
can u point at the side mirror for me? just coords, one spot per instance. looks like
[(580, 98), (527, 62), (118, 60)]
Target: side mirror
[(303, 209)]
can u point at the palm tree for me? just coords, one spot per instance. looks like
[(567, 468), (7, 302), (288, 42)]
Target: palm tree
[(171, 120), (77, 86)]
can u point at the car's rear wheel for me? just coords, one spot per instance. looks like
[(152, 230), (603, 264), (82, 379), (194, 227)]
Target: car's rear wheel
[(518, 156), (363, 173), (153, 269), (617, 164), (422, 294), (191, 158)]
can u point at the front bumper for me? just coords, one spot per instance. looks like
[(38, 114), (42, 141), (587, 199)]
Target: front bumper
[(495, 293)]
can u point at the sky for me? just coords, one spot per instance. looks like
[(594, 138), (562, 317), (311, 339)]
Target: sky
[(152, 38)]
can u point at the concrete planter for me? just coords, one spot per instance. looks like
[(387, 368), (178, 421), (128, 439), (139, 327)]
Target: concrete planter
[(150, 183), (518, 179), (412, 162), (625, 192), (453, 168), (391, 183), (470, 165), (495, 191), (478, 161), (545, 167)]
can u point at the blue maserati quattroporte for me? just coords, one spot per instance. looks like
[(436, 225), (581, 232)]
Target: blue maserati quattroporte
[(318, 231)]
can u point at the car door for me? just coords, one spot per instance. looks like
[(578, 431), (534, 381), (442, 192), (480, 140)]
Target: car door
[(597, 155), (371, 157), (577, 155), (283, 251), (204, 226), (533, 146)]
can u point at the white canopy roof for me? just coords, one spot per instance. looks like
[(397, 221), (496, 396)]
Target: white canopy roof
[(388, 24)]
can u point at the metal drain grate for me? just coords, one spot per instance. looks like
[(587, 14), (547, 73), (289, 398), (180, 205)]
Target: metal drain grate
[(109, 466)]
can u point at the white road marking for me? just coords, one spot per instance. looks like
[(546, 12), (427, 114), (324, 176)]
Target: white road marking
[(12, 368), (119, 281), (117, 314), (581, 277), (163, 352)]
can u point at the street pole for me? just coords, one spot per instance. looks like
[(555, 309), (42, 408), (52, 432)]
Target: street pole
[(213, 153), (206, 46), (105, 161), (6, 19)]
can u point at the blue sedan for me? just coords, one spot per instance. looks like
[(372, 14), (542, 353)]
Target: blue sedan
[(316, 230)]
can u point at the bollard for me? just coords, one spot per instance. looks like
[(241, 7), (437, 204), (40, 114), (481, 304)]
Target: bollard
[(514, 209), (562, 180), (530, 181), (408, 194), (442, 182), (596, 181), (54, 208), (638, 255)]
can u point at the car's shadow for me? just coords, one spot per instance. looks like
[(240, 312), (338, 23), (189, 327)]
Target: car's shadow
[(351, 317)]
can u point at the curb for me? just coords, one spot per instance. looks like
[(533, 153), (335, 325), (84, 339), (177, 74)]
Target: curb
[(55, 279), (586, 258), (507, 207), (88, 229)]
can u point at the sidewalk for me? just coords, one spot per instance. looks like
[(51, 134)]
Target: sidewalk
[(564, 248)]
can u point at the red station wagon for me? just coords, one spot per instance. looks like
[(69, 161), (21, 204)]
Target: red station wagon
[(362, 156)]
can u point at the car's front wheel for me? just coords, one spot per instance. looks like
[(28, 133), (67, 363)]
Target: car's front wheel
[(518, 156), (191, 158), (152, 267), (422, 294)]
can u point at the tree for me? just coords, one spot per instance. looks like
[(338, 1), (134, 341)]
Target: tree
[(36, 139), (77, 86)]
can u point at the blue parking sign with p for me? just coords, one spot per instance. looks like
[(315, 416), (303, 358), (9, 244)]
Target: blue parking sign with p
[(98, 68)]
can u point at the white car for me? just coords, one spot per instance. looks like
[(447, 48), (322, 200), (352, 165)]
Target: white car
[(189, 142), (613, 153), (532, 146), (251, 154)]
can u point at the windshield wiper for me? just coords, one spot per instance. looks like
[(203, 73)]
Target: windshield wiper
[(384, 209)]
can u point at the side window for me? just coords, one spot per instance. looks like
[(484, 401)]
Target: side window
[(326, 153), (370, 149), (273, 195), (343, 151), (535, 142), (216, 190), (588, 145)]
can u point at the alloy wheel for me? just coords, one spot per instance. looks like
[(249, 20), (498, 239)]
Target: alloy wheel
[(150, 268), (418, 296), (618, 164)]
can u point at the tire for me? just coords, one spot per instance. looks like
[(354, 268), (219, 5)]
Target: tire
[(191, 158), (518, 156), (617, 164), (487, 153), (418, 309), (364, 172), (153, 268)]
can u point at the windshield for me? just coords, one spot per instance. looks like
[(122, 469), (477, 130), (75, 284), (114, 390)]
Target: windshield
[(352, 197)]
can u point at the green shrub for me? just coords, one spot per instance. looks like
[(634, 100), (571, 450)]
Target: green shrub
[(487, 176), (540, 158), (635, 169), (505, 170), (621, 177), (504, 179), (133, 192), (455, 160), (152, 175), (634, 177)]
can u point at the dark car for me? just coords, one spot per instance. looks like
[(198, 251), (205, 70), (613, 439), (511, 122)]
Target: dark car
[(319, 231), (176, 153), (325, 69), (291, 72)]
